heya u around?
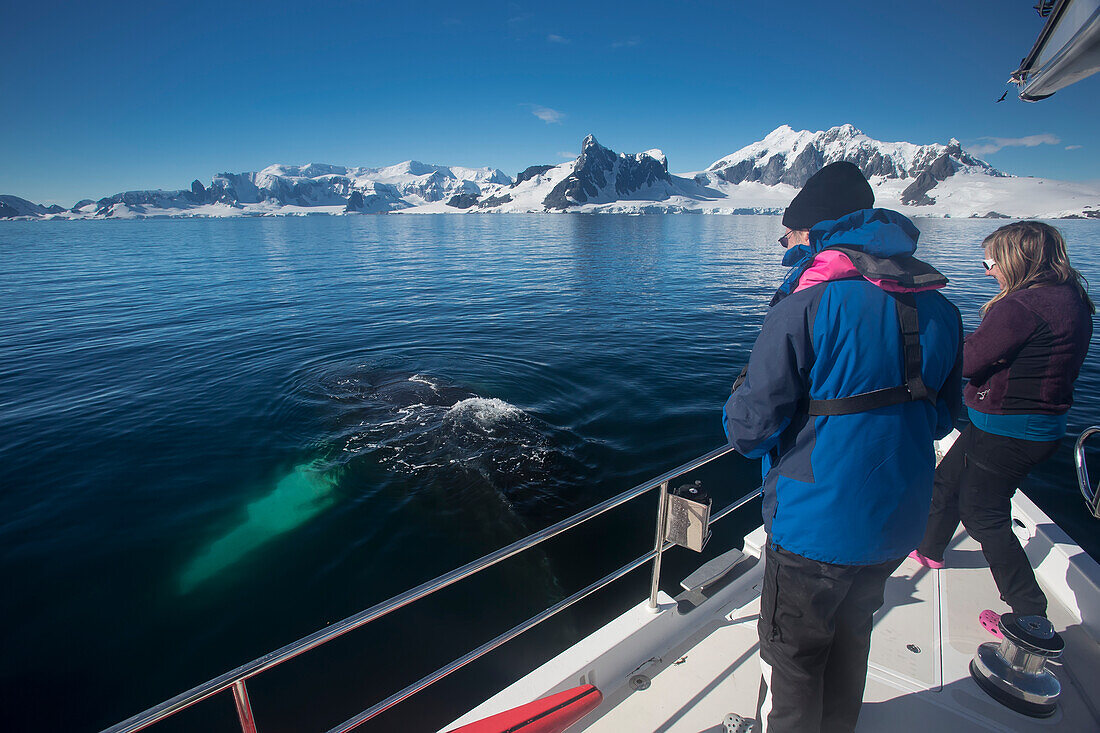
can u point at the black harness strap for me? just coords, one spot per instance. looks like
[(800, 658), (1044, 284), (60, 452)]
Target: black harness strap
[(914, 388), (910, 335)]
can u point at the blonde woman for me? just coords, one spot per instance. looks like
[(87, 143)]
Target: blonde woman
[(1021, 362)]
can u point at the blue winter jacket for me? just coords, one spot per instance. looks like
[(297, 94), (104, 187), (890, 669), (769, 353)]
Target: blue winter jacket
[(848, 489)]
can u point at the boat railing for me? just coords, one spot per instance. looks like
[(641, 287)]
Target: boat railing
[(236, 680), (1090, 492)]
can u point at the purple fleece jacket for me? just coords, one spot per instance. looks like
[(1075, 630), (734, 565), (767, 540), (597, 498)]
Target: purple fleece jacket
[(1027, 352)]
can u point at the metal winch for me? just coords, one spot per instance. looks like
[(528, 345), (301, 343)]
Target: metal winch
[(1013, 671)]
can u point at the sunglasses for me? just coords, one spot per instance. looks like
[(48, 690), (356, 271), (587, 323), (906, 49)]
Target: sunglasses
[(989, 264), (784, 241)]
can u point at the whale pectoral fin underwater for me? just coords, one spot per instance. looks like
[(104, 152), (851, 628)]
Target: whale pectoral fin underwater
[(302, 493)]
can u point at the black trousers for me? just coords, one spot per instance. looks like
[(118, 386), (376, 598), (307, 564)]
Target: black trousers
[(975, 482), (815, 634)]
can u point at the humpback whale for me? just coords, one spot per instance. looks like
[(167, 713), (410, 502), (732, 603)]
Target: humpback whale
[(478, 459)]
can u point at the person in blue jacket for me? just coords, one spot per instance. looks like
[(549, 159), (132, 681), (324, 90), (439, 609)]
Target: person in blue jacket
[(857, 369)]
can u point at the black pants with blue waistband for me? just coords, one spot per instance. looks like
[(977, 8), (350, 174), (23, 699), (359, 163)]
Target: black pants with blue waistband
[(975, 482), (815, 634)]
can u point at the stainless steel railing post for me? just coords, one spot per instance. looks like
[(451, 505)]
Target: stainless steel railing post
[(659, 545), (439, 674), (244, 707), (1092, 496)]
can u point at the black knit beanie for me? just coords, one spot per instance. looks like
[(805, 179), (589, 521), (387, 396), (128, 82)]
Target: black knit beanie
[(834, 191)]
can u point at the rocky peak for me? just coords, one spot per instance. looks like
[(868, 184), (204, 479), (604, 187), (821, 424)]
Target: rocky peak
[(20, 207), (198, 191), (530, 172), (846, 131), (594, 157), (791, 157), (355, 201), (597, 168), (950, 159)]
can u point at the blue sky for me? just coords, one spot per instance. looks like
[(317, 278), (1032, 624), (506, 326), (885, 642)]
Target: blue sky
[(103, 98)]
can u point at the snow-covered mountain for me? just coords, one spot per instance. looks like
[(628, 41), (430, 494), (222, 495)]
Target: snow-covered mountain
[(790, 157), (918, 180), (13, 206), (296, 189), (601, 176)]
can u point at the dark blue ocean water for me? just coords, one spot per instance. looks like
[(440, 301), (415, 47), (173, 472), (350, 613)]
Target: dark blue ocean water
[(219, 436)]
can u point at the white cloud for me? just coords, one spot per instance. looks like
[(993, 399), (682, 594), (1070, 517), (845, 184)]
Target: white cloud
[(555, 38), (996, 143), (1074, 147), (632, 41), (546, 114), (567, 155)]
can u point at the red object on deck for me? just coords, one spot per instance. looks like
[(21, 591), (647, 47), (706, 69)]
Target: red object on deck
[(550, 714)]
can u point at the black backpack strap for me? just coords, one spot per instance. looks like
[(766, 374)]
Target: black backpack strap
[(862, 402), (910, 336), (914, 388)]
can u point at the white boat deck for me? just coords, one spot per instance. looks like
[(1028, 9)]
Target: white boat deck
[(697, 667)]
